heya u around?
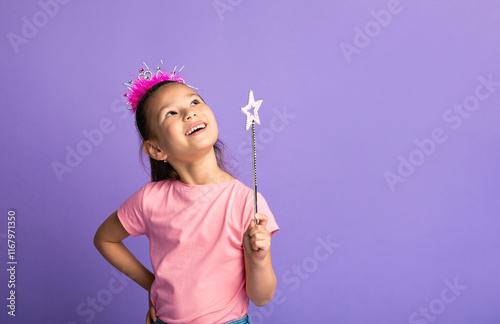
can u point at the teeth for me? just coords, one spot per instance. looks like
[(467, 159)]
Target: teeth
[(195, 129)]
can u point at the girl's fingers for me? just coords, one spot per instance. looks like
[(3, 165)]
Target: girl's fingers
[(262, 219), (258, 243), (153, 314), (150, 317), (251, 226), (258, 234), (258, 230), (260, 246)]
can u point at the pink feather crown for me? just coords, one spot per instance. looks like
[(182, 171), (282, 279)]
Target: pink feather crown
[(145, 80)]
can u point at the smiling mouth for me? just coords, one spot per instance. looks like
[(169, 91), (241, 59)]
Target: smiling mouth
[(196, 129)]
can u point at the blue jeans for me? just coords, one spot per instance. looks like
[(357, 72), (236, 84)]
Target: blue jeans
[(244, 320)]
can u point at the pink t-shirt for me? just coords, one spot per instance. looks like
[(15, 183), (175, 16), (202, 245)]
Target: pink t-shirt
[(195, 234)]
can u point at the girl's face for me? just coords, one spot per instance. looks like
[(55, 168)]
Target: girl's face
[(184, 126)]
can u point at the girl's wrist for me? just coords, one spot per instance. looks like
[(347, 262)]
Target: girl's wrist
[(257, 265)]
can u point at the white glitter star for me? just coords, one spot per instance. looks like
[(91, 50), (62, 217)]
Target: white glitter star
[(252, 104)]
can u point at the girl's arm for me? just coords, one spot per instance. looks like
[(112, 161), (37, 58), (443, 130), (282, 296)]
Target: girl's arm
[(108, 241), (260, 278)]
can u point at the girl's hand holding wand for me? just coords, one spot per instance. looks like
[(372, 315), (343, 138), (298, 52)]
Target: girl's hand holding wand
[(257, 241), (260, 278)]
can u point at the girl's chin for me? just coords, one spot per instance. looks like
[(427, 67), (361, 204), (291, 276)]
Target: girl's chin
[(204, 144), (204, 139)]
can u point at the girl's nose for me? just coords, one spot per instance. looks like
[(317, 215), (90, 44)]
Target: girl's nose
[(189, 114)]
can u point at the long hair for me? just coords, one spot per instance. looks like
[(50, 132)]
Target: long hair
[(159, 169)]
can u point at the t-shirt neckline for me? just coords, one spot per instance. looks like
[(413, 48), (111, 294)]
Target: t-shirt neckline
[(186, 185)]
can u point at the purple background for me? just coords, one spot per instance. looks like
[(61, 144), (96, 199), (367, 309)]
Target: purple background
[(333, 124)]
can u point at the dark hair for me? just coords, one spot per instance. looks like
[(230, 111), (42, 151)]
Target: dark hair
[(159, 169)]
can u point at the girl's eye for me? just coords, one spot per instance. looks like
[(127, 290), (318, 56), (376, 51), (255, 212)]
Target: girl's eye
[(170, 113), (195, 102)]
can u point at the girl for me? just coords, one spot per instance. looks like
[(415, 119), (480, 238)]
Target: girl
[(208, 255)]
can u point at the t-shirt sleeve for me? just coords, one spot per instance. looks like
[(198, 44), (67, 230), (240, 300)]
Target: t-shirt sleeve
[(262, 208), (131, 214)]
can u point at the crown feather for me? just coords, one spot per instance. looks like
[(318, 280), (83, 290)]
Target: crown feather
[(145, 80)]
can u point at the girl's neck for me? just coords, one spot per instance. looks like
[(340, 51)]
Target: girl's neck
[(219, 177), (202, 171)]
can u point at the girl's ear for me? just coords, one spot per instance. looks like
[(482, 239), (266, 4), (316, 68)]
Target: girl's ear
[(153, 150)]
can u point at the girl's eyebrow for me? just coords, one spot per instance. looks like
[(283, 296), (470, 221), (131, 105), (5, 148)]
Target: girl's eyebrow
[(168, 105)]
